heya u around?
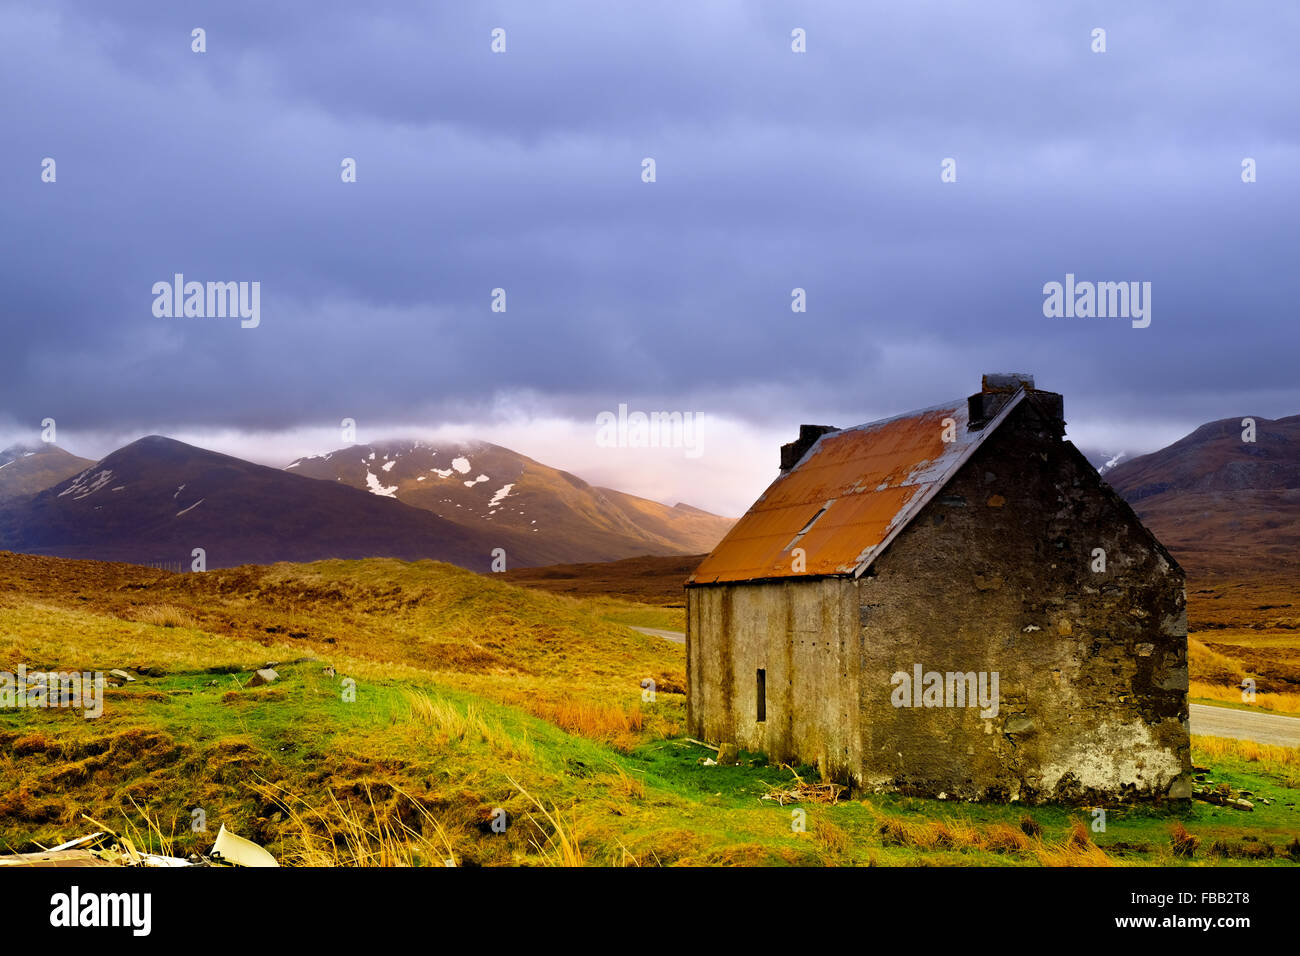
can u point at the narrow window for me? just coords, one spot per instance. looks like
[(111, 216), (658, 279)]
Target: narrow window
[(762, 694)]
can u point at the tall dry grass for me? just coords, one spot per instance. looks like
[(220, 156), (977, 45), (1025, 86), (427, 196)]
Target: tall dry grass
[(609, 723), (165, 615), (1209, 749), (447, 723), (1077, 849), (1282, 702), (561, 847), (338, 835)]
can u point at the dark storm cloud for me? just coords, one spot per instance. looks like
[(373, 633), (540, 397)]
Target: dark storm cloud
[(522, 171)]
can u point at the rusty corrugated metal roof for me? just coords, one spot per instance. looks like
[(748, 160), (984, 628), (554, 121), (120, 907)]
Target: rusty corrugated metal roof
[(848, 497)]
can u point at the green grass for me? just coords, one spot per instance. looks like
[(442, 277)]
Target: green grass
[(471, 696)]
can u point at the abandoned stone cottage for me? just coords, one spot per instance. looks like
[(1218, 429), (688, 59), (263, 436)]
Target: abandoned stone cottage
[(951, 602)]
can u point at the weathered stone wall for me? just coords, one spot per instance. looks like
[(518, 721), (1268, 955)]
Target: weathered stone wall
[(803, 634), (996, 575)]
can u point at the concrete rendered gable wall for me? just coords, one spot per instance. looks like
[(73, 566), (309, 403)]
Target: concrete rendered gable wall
[(995, 575), (803, 633)]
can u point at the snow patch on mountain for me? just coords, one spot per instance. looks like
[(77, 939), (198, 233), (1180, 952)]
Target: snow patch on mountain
[(81, 488), (375, 488), (1111, 463)]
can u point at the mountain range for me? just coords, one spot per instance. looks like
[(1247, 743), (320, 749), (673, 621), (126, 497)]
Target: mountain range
[(1225, 506), (156, 500), (25, 469), (490, 488)]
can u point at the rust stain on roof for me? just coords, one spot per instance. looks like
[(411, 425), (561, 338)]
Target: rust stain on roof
[(847, 498)]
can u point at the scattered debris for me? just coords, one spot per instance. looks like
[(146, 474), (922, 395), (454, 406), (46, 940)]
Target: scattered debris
[(692, 740), (47, 858), (238, 851), (106, 848), (1222, 796), (801, 790)]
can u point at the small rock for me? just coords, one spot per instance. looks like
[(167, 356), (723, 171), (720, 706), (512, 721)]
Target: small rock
[(121, 675), (264, 676)]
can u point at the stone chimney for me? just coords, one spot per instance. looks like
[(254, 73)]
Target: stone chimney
[(793, 452), (998, 388)]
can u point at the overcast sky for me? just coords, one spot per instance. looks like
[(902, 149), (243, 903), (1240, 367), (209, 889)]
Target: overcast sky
[(523, 171)]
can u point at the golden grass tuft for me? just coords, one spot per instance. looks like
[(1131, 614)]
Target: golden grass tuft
[(1004, 838), (165, 615), (1282, 702), (1208, 750), (447, 721), (1210, 666), (1184, 843), (611, 723), (1077, 849), (561, 847), (343, 835)]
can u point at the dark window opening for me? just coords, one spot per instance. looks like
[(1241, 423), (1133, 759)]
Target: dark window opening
[(762, 695)]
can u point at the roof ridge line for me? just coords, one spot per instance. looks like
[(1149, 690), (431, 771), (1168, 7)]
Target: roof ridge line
[(917, 504)]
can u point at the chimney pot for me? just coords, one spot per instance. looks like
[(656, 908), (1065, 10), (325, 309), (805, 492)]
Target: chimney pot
[(1006, 382)]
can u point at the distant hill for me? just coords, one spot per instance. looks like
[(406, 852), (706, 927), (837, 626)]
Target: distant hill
[(25, 470), (489, 488), (649, 579), (157, 499), (1221, 505)]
